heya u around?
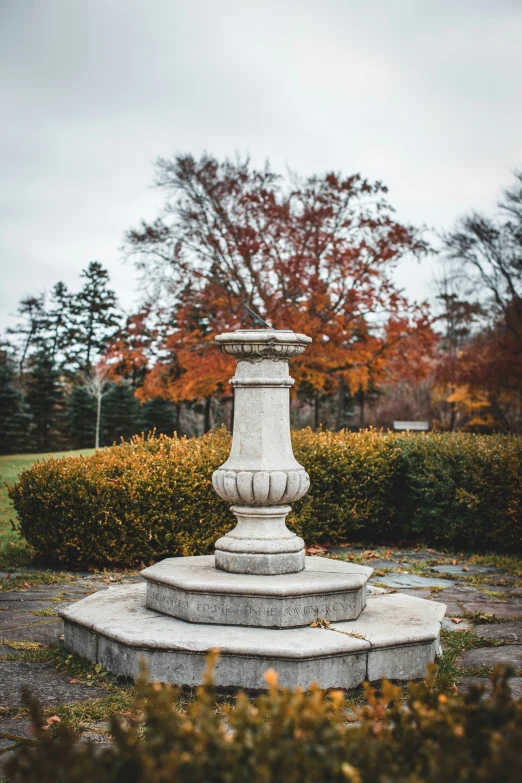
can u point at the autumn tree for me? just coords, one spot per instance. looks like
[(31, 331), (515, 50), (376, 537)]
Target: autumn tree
[(485, 254), (315, 255)]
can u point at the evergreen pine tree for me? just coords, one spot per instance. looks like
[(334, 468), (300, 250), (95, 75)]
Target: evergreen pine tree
[(81, 417), (159, 415), (32, 328), (59, 324), (45, 399), (120, 414), (14, 417), (94, 310)]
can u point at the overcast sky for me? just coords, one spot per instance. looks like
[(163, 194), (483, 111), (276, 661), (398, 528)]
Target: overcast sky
[(425, 95)]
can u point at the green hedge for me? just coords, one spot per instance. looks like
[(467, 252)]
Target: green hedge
[(150, 498), (288, 736)]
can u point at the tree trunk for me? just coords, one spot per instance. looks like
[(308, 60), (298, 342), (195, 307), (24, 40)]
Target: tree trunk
[(98, 418), (317, 412), (178, 419), (361, 409), (341, 394), (206, 415)]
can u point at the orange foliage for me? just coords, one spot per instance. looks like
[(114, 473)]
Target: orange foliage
[(315, 256)]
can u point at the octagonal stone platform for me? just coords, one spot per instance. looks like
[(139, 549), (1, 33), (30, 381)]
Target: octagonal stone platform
[(192, 589), (395, 636)]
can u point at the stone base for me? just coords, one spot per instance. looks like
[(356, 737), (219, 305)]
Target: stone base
[(260, 564), (260, 543), (192, 589), (396, 636)]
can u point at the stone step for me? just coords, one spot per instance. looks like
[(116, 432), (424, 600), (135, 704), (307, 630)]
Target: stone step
[(192, 589), (396, 636)]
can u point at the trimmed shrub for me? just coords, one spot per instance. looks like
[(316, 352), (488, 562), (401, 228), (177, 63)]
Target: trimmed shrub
[(463, 490), (291, 736), (127, 504), (152, 497)]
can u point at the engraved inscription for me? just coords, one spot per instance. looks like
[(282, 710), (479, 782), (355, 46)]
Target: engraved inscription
[(294, 610)]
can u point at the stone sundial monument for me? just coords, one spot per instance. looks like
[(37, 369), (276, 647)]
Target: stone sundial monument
[(256, 598)]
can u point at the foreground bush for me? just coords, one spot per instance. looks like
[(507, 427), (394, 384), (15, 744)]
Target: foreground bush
[(152, 498), (293, 737)]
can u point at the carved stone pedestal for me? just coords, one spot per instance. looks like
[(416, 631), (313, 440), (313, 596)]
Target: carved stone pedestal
[(259, 598), (261, 476)]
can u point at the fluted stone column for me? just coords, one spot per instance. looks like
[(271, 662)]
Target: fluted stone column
[(261, 476)]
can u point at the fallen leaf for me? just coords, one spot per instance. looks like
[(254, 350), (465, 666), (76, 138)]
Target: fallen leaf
[(457, 620), (54, 719), (453, 562), (315, 549), (74, 682), (26, 584), (465, 568), (380, 573), (61, 638), (343, 546), (126, 713), (11, 544), (454, 688)]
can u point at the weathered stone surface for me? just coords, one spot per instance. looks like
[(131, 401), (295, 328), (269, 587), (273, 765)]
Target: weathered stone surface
[(502, 610), (24, 604), (418, 592), (43, 632), (17, 620), (501, 632), (466, 570), (261, 475), (449, 625), (452, 609), (373, 590), (191, 589), (47, 684), (515, 684), (376, 564), (395, 636), (510, 655), (422, 554), (411, 580), (16, 727), (403, 633)]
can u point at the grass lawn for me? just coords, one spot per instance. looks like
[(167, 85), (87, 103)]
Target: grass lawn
[(12, 548)]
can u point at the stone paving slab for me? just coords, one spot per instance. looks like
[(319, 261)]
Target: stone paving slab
[(43, 633), (28, 595), (418, 592), (17, 620), (48, 685), (24, 605), (449, 625), (502, 610), (16, 727), (501, 632), (466, 570), (510, 655), (411, 580)]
